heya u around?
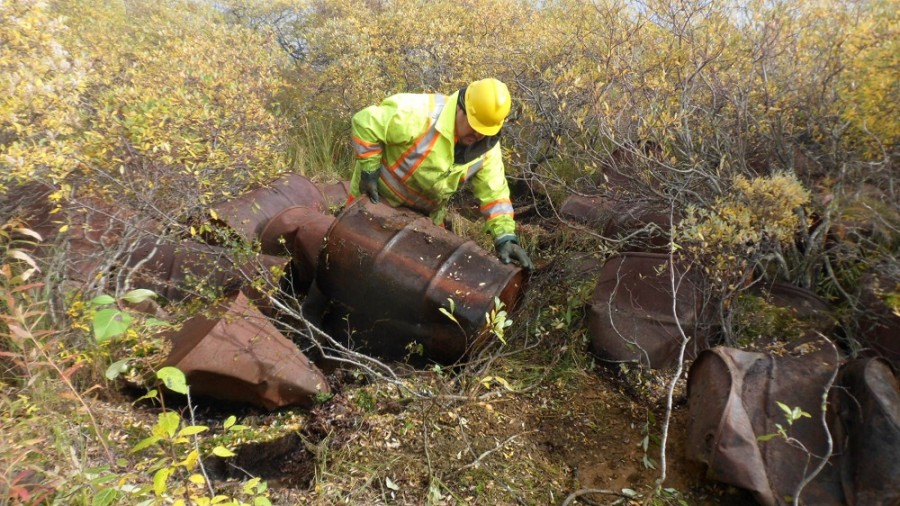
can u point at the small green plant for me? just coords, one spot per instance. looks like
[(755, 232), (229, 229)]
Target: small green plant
[(120, 333), (323, 397), (791, 415), (110, 322), (497, 320), (449, 312), (179, 476), (646, 439)]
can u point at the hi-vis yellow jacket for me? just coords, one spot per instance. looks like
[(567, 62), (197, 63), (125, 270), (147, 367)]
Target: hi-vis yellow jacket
[(411, 137)]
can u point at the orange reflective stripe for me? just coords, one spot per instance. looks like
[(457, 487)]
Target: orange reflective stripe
[(411, 197), (365, 149), (403, 157), (492, 216), (423, 156), (496, 208), (413, 157)]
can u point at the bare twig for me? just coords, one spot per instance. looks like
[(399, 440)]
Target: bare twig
[(824, 420), (680, 368), (587, 491), (486, 453)]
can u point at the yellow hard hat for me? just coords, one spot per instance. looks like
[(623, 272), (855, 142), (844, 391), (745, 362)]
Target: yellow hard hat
[(487, 104)]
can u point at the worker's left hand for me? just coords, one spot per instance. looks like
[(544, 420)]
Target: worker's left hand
[(510, 250), (368, 184)]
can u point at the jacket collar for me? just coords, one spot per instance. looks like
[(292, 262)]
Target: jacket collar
[(446, 122), (446, 125)]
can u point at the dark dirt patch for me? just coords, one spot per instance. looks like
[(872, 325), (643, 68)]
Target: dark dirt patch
[(285, 462)]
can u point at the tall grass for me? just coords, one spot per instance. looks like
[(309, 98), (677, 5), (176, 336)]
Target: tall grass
[(319, 148)]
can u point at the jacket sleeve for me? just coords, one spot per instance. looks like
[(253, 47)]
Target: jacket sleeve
[(369, 135), (490, 187), (390, 123)]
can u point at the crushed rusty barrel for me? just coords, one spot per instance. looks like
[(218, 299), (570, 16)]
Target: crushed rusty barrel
[(867, 433), (237, 354), (631, 314), (733, 398), (879, 332), (335, 194), (172, 270), (393, 270), (247, 215), (297, 231)]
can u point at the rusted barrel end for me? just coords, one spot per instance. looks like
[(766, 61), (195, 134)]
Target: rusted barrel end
[(299, 232), (393, 269), (248, 215)]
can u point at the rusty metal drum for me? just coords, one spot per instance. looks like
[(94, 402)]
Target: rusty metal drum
[(297, 231), (248, 214), (394, 269), (631, 315)]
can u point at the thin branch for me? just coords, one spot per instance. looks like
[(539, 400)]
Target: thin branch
[(486, 453), (829, 441), (586, 491)]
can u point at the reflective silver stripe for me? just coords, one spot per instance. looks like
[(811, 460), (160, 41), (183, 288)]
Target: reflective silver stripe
[(407, 195), (474, 169), (365, 149), (497, 208), (415, 155)]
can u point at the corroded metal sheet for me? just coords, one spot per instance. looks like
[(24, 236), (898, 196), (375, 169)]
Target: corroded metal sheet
[(632, 315), (335, 194), (732, 401), (239, 355), (394, 270), (867, 436), (297, 231), (248, 214), (879, 327), (171, 270)]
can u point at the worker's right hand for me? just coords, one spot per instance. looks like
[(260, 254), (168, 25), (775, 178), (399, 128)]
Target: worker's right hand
[(368, 184)]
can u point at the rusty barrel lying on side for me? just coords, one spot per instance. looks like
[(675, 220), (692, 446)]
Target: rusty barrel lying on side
[(248, 214), (392, 270), (632, 318), (172, 270), (299, 232)]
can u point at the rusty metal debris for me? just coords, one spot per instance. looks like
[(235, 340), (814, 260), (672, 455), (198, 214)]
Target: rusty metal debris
[(298, 231), (239, 355), (248, 214), (631, 315), (392, 271), (867, 433), (805, 304), (335, 194), (641, 225), (171, 270), (733, 398), (879, 331), (95, 235)]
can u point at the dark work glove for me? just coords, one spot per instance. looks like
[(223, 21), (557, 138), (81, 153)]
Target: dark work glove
[(509, 250), (368, 184)]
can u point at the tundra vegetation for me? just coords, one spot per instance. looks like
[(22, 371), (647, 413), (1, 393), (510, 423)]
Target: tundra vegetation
[(766, 129)]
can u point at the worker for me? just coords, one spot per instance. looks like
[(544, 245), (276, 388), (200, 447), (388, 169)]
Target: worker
[(416, 150)]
